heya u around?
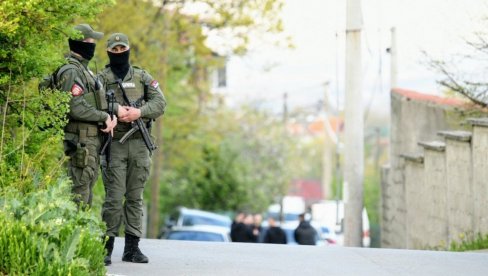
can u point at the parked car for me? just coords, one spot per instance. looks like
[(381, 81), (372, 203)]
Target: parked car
[(327, 235), (198, 233), (183, 216), (331, 214)]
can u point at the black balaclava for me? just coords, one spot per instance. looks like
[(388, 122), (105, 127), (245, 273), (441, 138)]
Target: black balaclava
[(84, 49), (119, 63)]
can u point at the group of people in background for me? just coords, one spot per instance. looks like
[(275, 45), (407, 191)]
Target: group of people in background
[(247, 228)]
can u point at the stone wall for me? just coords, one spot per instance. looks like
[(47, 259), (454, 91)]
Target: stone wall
[(480, 175), (436, 231), (435, 188), (415, 199), (446, 189), (459, 188), (414, 117)]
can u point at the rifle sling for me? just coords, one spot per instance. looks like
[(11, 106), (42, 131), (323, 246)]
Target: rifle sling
[(118, 135)]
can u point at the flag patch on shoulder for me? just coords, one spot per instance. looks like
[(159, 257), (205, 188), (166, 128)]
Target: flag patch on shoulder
[(155, 84), (76, 90)]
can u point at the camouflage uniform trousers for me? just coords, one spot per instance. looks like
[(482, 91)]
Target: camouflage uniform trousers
[(125, 177), (84, 163)]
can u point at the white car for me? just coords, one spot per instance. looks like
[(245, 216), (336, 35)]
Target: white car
[(192, 217), (327, 213), (327, 234)]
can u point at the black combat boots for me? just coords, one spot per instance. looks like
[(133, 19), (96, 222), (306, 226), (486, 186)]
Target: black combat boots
[(109, 246), (132, 253)]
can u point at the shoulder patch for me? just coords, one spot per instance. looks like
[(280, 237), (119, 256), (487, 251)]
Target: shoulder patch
[(155, 84), (76, 90)]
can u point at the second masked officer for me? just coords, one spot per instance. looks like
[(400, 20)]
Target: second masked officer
[(126, 171)]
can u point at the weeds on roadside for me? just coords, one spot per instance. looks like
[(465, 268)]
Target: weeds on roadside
[(470, 242)]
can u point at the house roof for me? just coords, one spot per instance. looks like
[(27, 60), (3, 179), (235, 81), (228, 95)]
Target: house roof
[(429, 98), (315, 127)]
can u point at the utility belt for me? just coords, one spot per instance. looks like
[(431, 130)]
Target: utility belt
[(83, 129), (77, 135)]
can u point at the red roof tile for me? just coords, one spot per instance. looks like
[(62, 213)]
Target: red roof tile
[(429, 98)]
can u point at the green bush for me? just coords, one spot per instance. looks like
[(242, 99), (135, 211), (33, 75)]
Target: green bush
[(44, 233), (31, 152)]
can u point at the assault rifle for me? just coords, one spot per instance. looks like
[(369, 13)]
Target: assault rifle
[(108, 137), (137, 125)]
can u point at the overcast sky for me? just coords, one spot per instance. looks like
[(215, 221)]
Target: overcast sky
[(317, 27)]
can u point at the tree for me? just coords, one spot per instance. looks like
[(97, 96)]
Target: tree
[(472, 84), (38, 215), (31, 34), (172, 39), (243, 163)]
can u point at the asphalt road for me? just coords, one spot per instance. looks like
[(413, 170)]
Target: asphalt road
[(210, 258)]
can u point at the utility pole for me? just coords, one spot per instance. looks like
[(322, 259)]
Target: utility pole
[(394, 60), (393, 51), (354, 132), (285, 123), (328, 143)]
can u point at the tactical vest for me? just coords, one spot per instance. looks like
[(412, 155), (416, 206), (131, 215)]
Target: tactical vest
[(94, 95), (135, 88)]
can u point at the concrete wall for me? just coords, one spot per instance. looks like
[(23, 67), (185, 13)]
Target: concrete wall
[(437, 227), (386, 215), (435, 191), (412, 121), (459, 188), (415, 201), (480, 178)]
